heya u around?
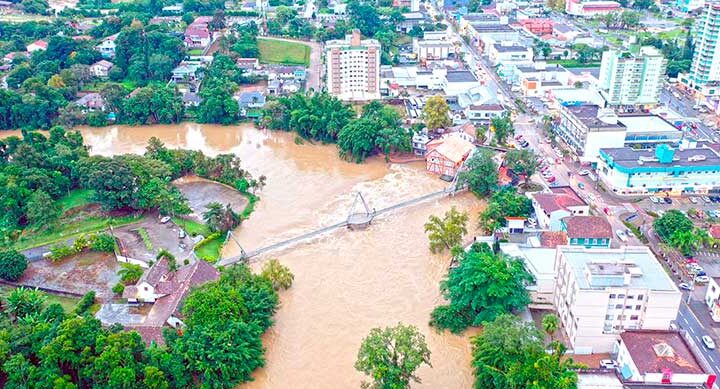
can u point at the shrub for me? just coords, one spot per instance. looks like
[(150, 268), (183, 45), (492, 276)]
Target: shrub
[(80, 243), (119, 288), (85, 303), (61, 251), (208, 239), (12, 265), (102, 242)]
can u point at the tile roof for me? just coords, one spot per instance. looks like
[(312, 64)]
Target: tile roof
[(454, 148), (561, 198), (587, 227), (714, 231), (552, 239), (652, 351)]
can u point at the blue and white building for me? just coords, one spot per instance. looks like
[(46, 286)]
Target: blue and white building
[(629, 171)]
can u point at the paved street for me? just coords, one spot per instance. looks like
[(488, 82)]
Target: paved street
[(687, 321)]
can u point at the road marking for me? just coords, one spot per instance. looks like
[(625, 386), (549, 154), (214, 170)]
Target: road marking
[(696, 318), (711, 357), (686, 321)]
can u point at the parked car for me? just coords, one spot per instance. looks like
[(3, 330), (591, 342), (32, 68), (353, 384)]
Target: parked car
[(608, 364), (518, 137), (581, 186), (165, 219), (607, 211), (708, 342), (181, 234), (621, 235), (706, 199), (694, 200), (654, 199), (685, 286), (583, 172), (667, 200), (551, 179), (631, 217), (702, 279)]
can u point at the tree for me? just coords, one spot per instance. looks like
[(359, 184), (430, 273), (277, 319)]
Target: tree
[(377, 129), (279, 276), (391, 355), (219, 218), (502, 128), (630, 19), (522, 162), (42, 210), (447, 232), (482, 173), (12, 265), (23, 302), (504, 203), (436, 113), (672, 221), (550, 324), (87, 300), (482, 287), (129, 273), (509, 353)]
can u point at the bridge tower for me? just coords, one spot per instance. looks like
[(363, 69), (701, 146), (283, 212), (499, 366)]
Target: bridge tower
[(359, 220), (230, 235)]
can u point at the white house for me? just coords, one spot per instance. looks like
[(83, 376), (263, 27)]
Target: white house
[(107, 46), (557, 203), (661, 357), (37, 45), (101, 68), (509, 53), (483, 113)]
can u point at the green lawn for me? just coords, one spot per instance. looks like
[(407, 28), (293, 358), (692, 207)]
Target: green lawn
[(195, 52), (68, 303), (571, 63), (281, 52), (192, 227), (64, 231), (211, 251), (76, 198)]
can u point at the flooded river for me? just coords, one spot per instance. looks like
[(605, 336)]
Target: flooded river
[(345, 282)]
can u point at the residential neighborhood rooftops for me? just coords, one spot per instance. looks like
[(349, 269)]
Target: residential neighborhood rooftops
[(587, 227), (552, 239), (454, 148), (653, 351), (560, 197)]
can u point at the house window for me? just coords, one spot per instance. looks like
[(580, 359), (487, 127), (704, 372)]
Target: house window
[(621, 296), (630, 297), (145, 288)]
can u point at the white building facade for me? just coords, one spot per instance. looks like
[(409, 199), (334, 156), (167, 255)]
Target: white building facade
[(353, 68), (712, 298), (599, 293), (705, 66), (632, 80)]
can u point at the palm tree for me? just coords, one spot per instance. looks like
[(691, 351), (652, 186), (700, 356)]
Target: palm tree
[(172, 263), (550, 323), (279, 276), (130, 273), (24, 302)]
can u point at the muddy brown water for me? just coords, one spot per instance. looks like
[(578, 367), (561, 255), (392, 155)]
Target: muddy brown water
[(346, 282)]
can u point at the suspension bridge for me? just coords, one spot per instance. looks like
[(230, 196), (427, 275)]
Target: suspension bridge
[(354, 221)]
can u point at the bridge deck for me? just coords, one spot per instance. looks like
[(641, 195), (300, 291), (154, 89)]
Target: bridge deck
[(353, 219)]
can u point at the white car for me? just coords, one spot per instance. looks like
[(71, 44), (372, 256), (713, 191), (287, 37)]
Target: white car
[(621, 235), (165, 220), (702, 279), (583, 172), (608, 364), (706, 199), (694, 200), (654, 199), (708, 342), (685, 286)]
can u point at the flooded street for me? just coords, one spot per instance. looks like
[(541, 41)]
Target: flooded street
[(345, 282)]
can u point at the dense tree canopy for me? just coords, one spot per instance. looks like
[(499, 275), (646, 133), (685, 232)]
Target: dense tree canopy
[(672, 221), (504, 203), (482, 287), (448, 231), (481, 175), (12, 265), (377, 130)]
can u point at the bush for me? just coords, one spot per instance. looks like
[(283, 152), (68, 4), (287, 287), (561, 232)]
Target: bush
[(103, 243), (61, 251), (85, 303), (208, 239), (119, 288), (80, 243), (97, 119), (446, 317), (12, 265)]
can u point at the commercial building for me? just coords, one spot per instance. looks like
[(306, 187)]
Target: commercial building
[(353, 68), (662, 357), (500, 53), (538, 26), (591, 8), (629, 171), (429, 49), (600, 293), (459, 81), (588, 128), (705, 65), (628, 80), (712, 298)]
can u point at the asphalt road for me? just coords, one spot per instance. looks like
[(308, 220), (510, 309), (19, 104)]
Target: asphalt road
[(690, 323)]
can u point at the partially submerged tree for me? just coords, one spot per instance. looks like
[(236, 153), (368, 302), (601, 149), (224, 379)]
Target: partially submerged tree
[(279, 276), (447, 232)]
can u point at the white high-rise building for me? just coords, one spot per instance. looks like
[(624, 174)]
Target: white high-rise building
[(599, 293), (632, 80), (353, 68), (705, 68)]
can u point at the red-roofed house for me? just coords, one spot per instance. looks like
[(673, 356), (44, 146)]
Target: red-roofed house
[(197, 35), (552, 239), (166, 289), (553, 206), (101, 68), (587, 231), (538, 26), (446, 155), (661, 357), (37, 45)]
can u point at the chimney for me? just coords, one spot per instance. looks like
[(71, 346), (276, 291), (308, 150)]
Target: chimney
[(355, 40)]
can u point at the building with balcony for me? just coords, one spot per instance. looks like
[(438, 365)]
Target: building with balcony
[(705, 65), (630, 171), (353, 68), (628, 80), (599, 293)]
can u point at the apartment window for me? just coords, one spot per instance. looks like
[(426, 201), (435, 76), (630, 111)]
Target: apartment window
[(634, 317), (638, 307), (630, 297), (612, 295), (640, 297), (621, 317), (621, 296), (628, 307), (608, 317), (618, 306)]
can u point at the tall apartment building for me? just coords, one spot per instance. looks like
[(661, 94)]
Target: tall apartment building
[(599, 293), (705, 66), (353, 67), (632, 80)]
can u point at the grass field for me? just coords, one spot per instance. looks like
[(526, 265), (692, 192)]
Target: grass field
[(281, 52), (211, 250), (64, 231), (76, 198), (68, 303), (195, 52), (192, 227)]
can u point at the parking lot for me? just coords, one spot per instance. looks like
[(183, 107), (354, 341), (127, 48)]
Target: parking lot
[(708, 207)]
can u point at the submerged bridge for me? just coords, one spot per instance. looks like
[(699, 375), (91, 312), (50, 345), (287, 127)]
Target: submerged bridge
[(354, 221)]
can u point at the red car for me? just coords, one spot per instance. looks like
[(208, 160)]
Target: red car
[(551, 179), (518, 137)]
